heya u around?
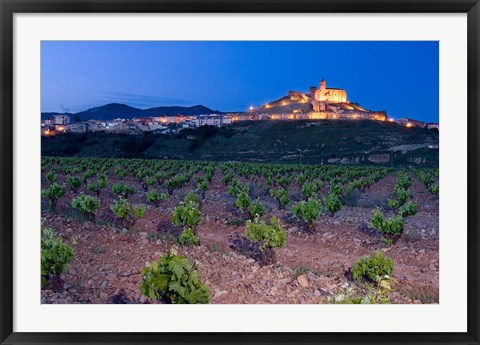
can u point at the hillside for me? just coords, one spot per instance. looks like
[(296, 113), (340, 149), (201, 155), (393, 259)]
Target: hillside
[(116, 110), (314, 142)]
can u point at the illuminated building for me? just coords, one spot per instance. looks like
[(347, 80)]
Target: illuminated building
[(330, 95)]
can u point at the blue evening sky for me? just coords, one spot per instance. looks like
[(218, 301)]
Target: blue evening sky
[(398, 77)]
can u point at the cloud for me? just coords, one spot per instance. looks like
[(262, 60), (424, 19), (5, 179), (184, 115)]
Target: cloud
[(141, 101)]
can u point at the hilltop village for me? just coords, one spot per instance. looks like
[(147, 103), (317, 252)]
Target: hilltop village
[(316, 104)]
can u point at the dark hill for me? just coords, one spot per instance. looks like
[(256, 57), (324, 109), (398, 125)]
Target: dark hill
[(109, 112), (116, 110), (194, 110), (337, 141)]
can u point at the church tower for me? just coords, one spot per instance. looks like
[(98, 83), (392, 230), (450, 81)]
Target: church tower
[(323, 85)]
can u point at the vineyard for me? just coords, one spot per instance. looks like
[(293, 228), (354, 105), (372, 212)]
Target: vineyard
[(170, 231)]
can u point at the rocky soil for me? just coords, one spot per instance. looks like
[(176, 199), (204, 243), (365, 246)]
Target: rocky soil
[(311, 267)]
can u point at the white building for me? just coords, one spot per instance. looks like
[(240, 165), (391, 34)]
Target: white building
[(61, 119), (78, 127)]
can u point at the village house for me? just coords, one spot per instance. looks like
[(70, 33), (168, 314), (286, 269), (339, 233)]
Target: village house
[(61, 119), (79, 127), (96, 126)]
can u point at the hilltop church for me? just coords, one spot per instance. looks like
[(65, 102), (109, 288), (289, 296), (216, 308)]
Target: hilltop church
[(322, 97), (330, 95)]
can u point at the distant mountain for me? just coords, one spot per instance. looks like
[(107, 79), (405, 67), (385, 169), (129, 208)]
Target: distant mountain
[(116, 110), (194, 110), (109, 112)]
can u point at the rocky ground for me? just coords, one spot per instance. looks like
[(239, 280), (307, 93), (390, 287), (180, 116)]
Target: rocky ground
[(311, 267)]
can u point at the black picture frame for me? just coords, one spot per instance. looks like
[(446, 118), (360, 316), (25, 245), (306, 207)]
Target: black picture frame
[(7, 10)]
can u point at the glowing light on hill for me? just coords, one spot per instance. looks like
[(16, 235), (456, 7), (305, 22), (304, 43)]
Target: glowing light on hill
[(267, 106), (391, 120), (251, 107), (284, 103), (49, 133), (409, 124)]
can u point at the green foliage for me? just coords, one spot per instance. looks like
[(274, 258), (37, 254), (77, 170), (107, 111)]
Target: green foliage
[(243, 200), (434, 189), (227, 178), (93, 187), (401, 196), (387, 241), (56, 255), (301, 179), (86, 204), (372, 268), (146, 182), (392, 203), (121, 208), (74, 182), (403, 180), (393, 226), (285, 181), (88, 174), (267, 235), (332, 203), (236, 187), (309, 210), (187, 214), (282, 196), (120, 172), (122, 189), (409, 209), (173, 279), (191, 197), (175, 182), (209, 172), (188, 238), (309, 190), (53, 194), (52, 176), (154, 197), (139, 211), (202, 184), (336, 189), (255, 209), (428, 177), (97, 186), (126, 212)]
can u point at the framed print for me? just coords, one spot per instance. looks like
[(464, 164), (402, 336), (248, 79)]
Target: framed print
[(244, 172)]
